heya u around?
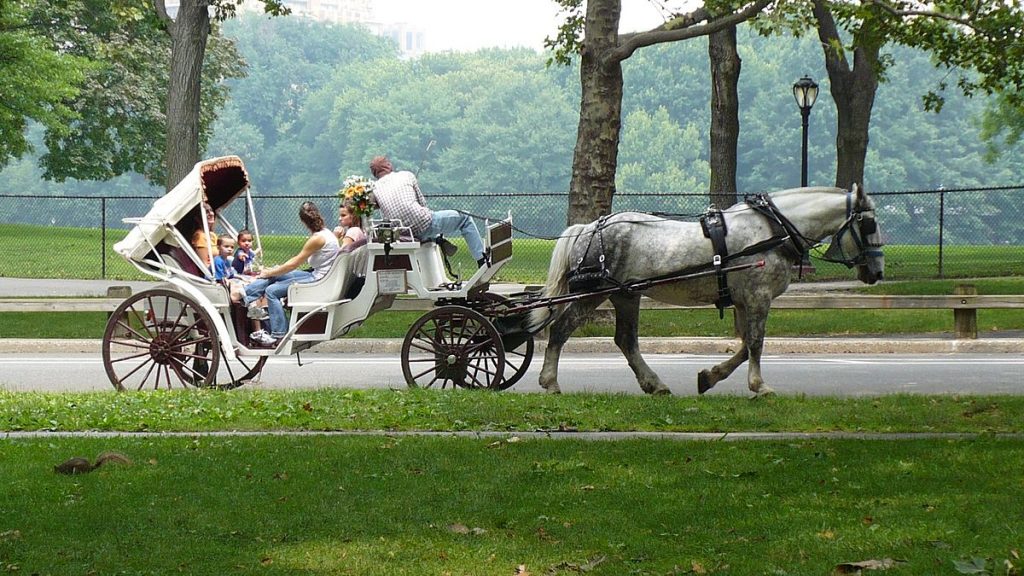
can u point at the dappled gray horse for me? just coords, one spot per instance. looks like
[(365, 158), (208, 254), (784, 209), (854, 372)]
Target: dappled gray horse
[(778, 228)]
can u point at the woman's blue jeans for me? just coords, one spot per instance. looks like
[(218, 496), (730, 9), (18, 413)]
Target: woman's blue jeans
[(275, 288)]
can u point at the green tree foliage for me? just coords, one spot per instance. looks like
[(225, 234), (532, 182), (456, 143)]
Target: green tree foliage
[(658, 155), (503, 122), (116, 52), (36, 81), (1003, 123), (288, 59)]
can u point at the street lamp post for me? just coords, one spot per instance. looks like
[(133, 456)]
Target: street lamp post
[(806, 92)]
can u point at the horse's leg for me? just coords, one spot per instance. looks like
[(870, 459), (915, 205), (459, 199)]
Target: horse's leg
[(627, 324), (753, 340), (706, 379), (575, 316)]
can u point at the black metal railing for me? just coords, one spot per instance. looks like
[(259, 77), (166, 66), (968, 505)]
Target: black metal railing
[(951, 232)]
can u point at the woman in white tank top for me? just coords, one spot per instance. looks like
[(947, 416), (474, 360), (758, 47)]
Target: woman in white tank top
[(320, 250)]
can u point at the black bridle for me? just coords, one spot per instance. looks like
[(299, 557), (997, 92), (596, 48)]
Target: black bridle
[(864, 233), (862, 227)]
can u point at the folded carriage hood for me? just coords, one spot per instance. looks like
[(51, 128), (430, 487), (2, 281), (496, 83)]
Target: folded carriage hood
[(217, 180)]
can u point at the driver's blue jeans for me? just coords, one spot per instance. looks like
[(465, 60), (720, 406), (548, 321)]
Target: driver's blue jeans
[(450, 223)]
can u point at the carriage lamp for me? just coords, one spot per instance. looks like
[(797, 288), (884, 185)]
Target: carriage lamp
[(806, 92)]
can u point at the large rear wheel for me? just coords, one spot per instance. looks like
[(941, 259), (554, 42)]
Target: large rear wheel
[(518, 347), (453, 345), (160, 339)]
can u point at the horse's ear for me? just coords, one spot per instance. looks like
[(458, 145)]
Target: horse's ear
[(858, 193)]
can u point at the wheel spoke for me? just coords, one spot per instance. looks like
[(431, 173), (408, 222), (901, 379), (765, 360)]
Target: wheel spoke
[(139, 367), (146, 377), (427, 371)]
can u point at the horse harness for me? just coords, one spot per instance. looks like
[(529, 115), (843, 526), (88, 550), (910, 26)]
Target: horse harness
[(585, 277), (589, 271)]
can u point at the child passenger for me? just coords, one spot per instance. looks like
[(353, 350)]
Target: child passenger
[(222, 269), (245, 255)]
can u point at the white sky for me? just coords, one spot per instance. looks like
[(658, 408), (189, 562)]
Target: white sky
[(467, 25)]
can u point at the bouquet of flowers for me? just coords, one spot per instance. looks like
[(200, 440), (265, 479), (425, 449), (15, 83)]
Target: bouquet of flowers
[(358, 191)]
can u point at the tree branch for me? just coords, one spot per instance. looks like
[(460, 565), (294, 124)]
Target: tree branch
[(161, 12), (682, 27), (925, 13)]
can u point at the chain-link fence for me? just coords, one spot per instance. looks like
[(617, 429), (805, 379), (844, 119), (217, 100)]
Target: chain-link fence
[(964, 232)]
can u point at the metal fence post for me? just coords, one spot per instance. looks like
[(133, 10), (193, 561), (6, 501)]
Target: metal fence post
[(942, 218), (103, 237)]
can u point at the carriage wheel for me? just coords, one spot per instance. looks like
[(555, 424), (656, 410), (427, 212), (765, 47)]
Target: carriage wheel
[(160, 339), (455, 345), (252, 372), (517, 360)]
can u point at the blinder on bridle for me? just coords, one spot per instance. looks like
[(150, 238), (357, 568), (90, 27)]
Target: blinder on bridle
[(862, 227)]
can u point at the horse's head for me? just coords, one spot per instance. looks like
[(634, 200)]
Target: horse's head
[(858, 242)]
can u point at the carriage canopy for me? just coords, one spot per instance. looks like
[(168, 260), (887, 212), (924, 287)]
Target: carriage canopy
[(218, 181)]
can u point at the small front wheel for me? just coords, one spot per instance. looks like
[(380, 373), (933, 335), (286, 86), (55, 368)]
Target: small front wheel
[(160, 339), (453, 345)]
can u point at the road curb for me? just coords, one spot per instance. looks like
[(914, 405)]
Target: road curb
[(606, 345)]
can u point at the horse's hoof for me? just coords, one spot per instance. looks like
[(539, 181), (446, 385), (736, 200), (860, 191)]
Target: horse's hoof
[(553, 390), (703, 382), (765, 392), (661, 392)]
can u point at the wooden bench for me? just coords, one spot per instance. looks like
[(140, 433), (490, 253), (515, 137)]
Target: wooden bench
[(964, 306)]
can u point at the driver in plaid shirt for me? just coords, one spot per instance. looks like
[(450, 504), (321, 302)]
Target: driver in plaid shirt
[(399, 198)]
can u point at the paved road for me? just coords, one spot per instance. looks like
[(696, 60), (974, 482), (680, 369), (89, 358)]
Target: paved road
[(819, 374)]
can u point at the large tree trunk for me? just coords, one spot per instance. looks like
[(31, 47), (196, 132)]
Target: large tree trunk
[(725, 116), (189, 33), (597, 141), (853, 91)]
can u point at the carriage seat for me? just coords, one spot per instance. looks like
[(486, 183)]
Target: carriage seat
[(333, 286)]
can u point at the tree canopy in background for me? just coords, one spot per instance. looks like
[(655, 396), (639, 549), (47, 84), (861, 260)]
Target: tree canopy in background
[(321, 100), (36, 81)]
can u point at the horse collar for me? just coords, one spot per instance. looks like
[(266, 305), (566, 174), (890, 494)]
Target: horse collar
[(591, 276)]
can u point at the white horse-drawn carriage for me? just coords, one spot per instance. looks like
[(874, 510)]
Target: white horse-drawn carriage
[(187, 332)]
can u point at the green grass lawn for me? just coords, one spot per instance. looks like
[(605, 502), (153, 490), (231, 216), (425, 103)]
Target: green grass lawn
[(82, 255), (388, 504), (433, 506), (199, 410)]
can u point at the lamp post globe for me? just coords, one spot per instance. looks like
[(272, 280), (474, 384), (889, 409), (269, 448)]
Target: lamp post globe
[(805, 91)]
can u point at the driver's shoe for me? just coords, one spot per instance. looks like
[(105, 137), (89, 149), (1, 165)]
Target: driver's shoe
[(447, 247)]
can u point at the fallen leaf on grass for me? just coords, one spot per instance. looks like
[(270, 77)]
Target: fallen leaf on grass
[(587, 566), (521, 570), (973, 566), (858, 567), (10, 535), (463, 529)]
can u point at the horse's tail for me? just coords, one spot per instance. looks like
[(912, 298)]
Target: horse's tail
[(558, 279)]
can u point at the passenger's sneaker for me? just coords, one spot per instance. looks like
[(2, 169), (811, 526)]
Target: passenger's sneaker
[(257, 312), (262, 338)]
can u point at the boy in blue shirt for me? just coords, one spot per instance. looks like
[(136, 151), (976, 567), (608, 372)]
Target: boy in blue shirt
[(222, 269)]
